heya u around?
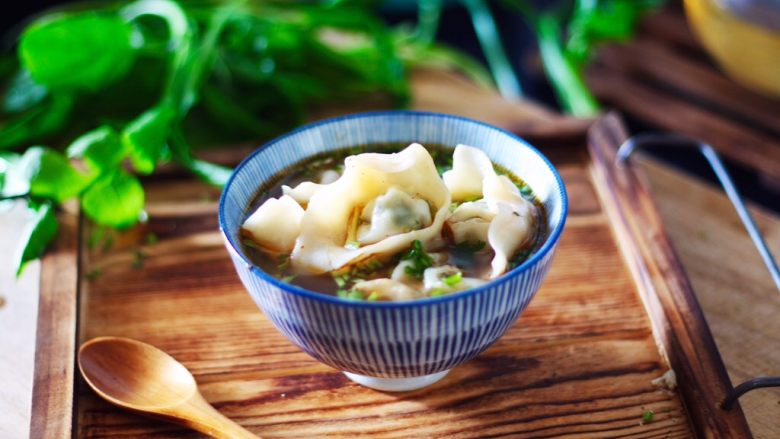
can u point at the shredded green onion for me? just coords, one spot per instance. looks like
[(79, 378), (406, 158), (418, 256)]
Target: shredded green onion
[(453, 279)]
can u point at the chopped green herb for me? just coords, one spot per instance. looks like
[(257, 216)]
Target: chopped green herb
[(93, 274), (341, 279), (283, 262), (647, 416), (454, 206), (519, 258), (365, 269), (151, 239), (349, 294), (353, 245), (251, 244), (373, 297), (138, 259), (436, 292), (420, 260), (288, 279), (453, 280)]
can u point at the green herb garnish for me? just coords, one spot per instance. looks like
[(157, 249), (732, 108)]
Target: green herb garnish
[(282, 262), (373, 297), (453, 279), (352, 245), (349, 294), (138, 259), (436, 292), (288, 279), (151, 239), (93, 274), (419, 260), (341, 279), (647, 416)]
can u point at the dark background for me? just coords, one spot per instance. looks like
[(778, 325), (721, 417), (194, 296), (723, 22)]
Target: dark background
[(456, 30)]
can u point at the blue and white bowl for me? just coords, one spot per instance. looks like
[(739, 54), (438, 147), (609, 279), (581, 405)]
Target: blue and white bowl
[(393, 346)]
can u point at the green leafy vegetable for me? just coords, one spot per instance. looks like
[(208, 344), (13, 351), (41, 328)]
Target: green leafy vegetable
[(100, 148), (145, 137), (40, 230), (51, 175), (647, 416), (115, 200), (148, 82), (85, 50), (567, 39), (420, 260)]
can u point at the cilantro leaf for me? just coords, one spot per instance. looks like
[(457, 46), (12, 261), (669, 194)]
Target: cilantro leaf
[(419, 260)]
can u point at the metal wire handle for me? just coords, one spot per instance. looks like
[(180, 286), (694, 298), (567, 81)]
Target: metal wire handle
[(646, 140)]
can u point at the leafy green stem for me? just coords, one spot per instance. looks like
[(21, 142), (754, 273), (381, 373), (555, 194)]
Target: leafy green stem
[(490, 41), (566, 79)]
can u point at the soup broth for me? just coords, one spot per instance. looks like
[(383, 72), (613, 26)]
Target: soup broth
[(472, 258)]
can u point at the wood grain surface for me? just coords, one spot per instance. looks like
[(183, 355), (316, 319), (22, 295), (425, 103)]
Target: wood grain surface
[(666, 80), (56, 335), (733, 286), (578, 362), (678, 321)]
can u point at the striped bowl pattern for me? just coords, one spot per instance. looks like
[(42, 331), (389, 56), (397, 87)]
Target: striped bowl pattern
[(393, 339)]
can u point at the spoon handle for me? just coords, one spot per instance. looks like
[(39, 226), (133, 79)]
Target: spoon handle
[(200, 415)]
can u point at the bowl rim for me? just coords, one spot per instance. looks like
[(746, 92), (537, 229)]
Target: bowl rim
[(548, 245)]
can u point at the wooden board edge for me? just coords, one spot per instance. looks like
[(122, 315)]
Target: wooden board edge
[(678, 322), (53, 405)]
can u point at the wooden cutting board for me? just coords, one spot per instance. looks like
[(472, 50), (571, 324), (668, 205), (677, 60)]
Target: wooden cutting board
[(580, 361)]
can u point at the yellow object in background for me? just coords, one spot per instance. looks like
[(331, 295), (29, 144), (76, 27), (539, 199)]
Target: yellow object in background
[(743, 36)]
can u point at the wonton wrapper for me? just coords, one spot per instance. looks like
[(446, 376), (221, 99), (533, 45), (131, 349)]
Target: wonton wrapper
[(507, 233), (388, 289), (469, 166), (275, 224), (503, 218), (321, 245), (470, 222), (303, 192)]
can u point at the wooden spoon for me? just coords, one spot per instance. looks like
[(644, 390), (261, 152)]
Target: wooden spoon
[(146, 380)]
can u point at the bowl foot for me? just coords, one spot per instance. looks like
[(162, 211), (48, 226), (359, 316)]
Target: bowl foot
[(396, 384)]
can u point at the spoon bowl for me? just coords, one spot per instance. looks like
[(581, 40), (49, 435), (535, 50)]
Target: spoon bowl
[(141, 378)]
